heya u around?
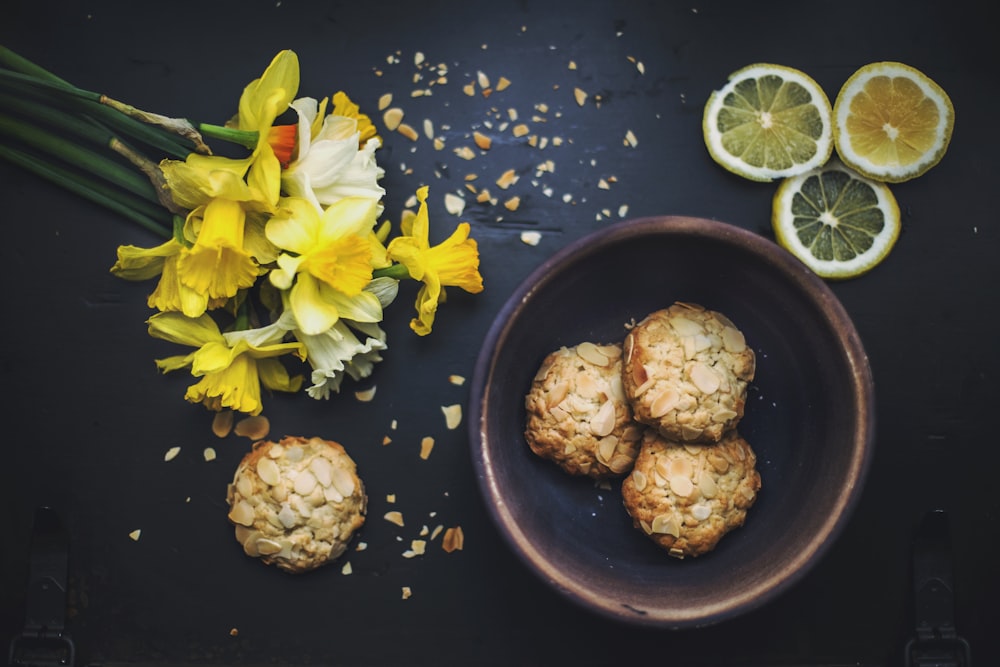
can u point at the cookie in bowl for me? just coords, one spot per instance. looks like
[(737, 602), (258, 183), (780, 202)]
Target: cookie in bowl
[(685, 373), (686, 497), (296, 503), (577, 414)]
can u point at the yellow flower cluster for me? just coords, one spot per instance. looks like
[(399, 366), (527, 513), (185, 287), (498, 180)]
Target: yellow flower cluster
[(281, 252)]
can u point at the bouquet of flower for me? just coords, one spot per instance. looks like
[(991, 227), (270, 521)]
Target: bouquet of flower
[(275, 252)]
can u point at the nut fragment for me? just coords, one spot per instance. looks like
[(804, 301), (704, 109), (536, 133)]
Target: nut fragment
[(392, 118), (604, 421), (395, 517), (452, 415), (453, 540)]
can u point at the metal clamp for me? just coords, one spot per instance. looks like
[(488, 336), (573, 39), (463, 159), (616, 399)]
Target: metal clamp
[(937, 642), (44, 641)]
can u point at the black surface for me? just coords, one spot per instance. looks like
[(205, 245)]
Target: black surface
[(88, 417)]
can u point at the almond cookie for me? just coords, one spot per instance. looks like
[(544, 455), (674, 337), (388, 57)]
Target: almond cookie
[(686, 372), (296, 503), (687, 497), (577, 413)]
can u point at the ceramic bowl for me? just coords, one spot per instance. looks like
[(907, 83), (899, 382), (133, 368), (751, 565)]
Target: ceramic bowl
[(809, 417)]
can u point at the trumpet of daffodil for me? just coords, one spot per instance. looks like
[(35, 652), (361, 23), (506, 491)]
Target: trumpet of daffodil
[(233, 366), (453, 262), (329, 164), (326, 261), (171, 294), (218, 265), (255, 179), (347, 348)]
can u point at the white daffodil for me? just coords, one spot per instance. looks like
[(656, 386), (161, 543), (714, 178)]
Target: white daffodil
[(330, 163)]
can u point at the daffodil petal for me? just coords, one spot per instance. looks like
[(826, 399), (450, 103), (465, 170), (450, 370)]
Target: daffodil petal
[(191, 331), (313, 313)]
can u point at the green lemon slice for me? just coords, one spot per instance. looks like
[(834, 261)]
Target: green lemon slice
[(839, 223), (769, 122)]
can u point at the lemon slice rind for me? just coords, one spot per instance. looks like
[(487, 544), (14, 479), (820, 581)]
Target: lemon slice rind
[(783, 223), (891, 173), (713, 136)]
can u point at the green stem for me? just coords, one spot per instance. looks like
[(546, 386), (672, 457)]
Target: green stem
[(397, 271), (19, 63), (74, 154), (245, 138), (90, 105), (85, 187)]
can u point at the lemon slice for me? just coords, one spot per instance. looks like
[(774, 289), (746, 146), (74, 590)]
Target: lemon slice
[(768, 122), (839, 223), (892, 123)]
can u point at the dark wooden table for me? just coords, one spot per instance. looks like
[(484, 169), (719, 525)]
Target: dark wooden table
[(88, 418)]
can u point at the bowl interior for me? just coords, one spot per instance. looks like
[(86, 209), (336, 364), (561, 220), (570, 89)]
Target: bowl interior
[(808, 417)]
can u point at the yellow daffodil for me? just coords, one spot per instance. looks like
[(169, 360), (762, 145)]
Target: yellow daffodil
[(218, 265), (171, 294), (255, 179), (232, 366), (329, 165), (454, 262), (326, 261), (343, 106)]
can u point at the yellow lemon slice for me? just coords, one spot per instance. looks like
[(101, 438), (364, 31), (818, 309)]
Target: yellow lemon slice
[(839, 223), (768, 122), (892, 123)]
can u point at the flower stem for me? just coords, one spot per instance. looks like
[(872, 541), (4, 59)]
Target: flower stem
[(245, 138), (89, 104), (397, 271), (87, 188), (93, 162)]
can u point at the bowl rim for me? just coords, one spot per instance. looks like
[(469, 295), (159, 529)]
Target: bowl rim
[(861, 447)]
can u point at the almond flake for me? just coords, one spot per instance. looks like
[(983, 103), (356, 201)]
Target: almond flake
[(209, 454), (346, 569), (428, 128), (384, 101), (520, 130), (452, 415), (465, 153), (171, 453), (571, 65), (222, 423), (453, 203), (454, 539), (483, 141), (512, 204), (482, 80), (426, 445), (507, 179), (438, 144), (437, 531), (407, 131), (503, 83), (392, 118), (469, 89), (394, 517), (456, 380), (135, 534), (254, 427), (630, 139), (365, 395), (531, 238), (407, 592), (386, 440), (580, 96)]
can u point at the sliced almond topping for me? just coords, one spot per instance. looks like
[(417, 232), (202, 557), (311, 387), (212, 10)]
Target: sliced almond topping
[(268, 471), (639, 480), (593, 354), (707, 486), (733, 340), (701, 511), (502, 84), (343, 481), (664, 402), (209, 454), (407, 131), (512, 204), (531, 238), (305, 482), (407, 592), (681, 485), (384, 101), (606, 448), (395, 517), (171, 453), (266, 547), (666, 524), (507, 179), (456, 380), (453, 203), (135, 534), (720, 463), (604, 421), (680, 466), (703, 377), (580, 96), (346, 568), (242, 513), (520, 130)]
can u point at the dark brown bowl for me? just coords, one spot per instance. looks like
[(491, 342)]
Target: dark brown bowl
[(809, 417)]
